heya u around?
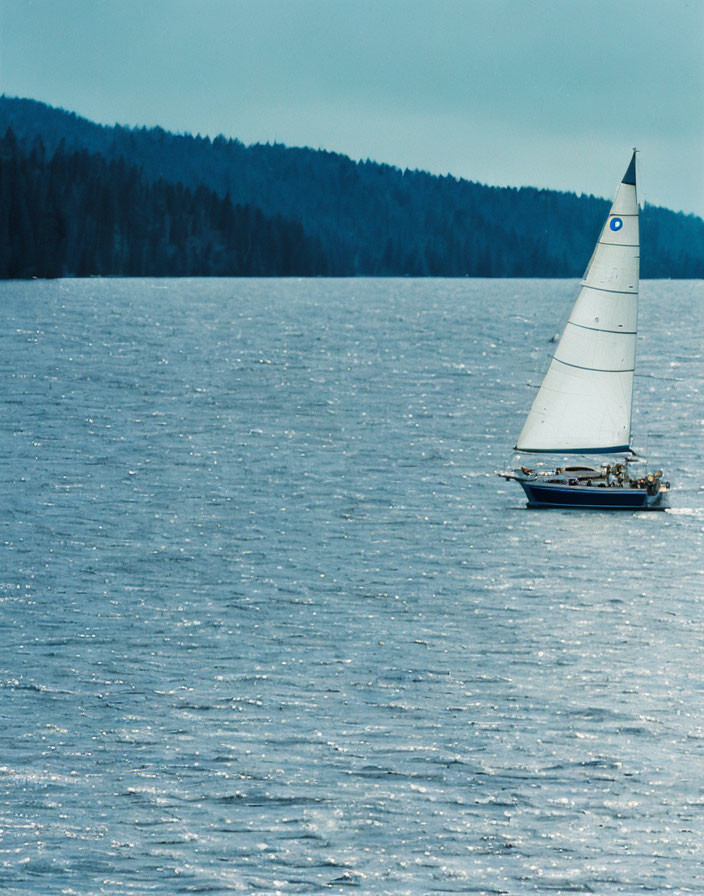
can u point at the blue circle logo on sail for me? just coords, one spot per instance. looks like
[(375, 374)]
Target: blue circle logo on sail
[(616, 224)]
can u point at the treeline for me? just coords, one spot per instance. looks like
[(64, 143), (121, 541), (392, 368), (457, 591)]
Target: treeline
[(353, 218), (74, 213)]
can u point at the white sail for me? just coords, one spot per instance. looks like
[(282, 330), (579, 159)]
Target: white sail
[(584, 402)]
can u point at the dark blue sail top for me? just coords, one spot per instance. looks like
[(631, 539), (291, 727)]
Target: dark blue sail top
[(630, 176)]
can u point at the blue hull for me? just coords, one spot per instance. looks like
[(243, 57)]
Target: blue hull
[(590, 497)]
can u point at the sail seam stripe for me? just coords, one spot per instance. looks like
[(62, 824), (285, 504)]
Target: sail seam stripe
[(622, 245), (623, 215), (596, 369), (621, 292), (604, 330)]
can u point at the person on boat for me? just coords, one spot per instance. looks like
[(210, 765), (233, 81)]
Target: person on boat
[(652, 483), (611, 478)]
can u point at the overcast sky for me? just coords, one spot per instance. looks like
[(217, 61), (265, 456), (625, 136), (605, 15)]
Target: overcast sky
[(547, 93)]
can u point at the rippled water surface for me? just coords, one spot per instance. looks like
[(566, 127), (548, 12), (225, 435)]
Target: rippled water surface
[(271, 623)]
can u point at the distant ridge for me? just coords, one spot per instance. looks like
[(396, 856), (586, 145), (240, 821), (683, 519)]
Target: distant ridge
[(366, 218)]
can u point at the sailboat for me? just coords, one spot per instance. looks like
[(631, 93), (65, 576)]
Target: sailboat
[(583, 406)]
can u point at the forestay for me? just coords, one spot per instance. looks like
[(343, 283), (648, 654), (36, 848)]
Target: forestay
[(584, 402)]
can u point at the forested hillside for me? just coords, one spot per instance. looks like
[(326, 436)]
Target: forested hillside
[(339, 217), (75, 213)]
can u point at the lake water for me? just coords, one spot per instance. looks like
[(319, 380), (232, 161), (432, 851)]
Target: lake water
[(271, 623)]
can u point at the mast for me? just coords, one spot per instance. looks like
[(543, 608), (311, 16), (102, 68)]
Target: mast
[(584, 403)]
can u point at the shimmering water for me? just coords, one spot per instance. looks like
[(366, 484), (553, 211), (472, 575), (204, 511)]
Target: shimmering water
[(270, 622)]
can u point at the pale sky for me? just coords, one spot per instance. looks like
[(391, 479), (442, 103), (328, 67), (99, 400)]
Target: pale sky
[(546, 93)]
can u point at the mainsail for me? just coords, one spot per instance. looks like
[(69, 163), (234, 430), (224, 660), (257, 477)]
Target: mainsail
[(584, 403)]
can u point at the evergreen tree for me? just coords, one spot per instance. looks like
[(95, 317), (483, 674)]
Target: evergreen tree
[(75, 213)]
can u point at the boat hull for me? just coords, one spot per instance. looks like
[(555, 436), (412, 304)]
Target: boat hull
[(582, 497)]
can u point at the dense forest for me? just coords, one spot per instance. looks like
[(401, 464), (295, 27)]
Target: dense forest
[(76, 213), (78, 198)]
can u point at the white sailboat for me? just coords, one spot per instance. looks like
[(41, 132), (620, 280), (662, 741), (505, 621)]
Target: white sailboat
[(583, 406)]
